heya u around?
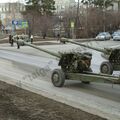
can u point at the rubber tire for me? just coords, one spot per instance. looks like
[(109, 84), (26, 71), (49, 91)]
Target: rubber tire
[(61, 77), (109, 68)]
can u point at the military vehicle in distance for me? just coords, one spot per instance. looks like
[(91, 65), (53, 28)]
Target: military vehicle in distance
[(112, 56), (74, 66), (13, 38)]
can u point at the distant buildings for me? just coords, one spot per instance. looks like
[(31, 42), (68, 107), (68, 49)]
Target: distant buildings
[(62, 5), (116, 6), (10, 11)]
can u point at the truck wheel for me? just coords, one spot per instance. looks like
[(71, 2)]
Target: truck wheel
[(58, 78), (106, 68)]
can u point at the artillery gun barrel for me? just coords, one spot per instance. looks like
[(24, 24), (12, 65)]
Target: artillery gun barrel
[(22, 42), (77, 43)]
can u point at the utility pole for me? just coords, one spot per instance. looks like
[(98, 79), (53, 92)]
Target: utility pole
[(78, 8), (77, 16), (104, 7)]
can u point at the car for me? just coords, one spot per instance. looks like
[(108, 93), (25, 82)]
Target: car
[(103, 36), (116, 36)]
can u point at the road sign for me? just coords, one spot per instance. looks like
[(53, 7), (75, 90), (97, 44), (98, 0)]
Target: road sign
[(14, 22), (24, 24), (72, 24)]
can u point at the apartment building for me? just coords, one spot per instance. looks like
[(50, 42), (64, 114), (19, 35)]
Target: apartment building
[(62, 5), (10, 11)]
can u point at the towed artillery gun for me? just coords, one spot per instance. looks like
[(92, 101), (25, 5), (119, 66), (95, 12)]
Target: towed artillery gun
[(74, 66), (112, 56), (23, 37), (15, 38)]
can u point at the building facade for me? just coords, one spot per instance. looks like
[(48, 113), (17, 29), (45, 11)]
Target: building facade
[(116, 6), (62, 5), (9, 12)]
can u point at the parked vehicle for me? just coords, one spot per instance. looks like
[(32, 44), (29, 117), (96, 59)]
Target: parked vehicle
[(103, 36), (116, 36)]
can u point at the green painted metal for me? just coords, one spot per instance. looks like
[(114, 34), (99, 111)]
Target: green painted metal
[(92, 77), (116, 67), (22, 43), (93, 48), (41, 49), (111, 54)]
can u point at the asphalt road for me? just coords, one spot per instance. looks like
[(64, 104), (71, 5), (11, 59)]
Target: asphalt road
[(28, 71)]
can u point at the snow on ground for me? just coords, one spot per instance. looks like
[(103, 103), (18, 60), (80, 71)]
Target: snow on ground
[(94, 98)]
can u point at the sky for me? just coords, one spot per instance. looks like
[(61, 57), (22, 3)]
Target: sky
[(4, 1)]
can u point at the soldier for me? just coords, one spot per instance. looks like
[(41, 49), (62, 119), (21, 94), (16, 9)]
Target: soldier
[(18, 46), (58, 37), (87, 60), (31, 38), (44, 35), (11, 40), (85, 63)]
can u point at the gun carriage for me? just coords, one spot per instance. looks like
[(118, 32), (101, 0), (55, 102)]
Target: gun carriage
[(74, 66), (112, 56)]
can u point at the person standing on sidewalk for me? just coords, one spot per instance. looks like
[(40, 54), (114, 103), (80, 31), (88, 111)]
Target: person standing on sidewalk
[(58, 37), (31, 38), (11, 40)]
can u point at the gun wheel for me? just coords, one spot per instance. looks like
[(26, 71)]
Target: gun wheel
[(106, 68), (58, 78)]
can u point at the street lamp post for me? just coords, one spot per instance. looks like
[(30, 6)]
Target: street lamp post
[(78, 7), (60, 24)]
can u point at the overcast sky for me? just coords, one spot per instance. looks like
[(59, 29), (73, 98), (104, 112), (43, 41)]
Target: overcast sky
[(4, 1)]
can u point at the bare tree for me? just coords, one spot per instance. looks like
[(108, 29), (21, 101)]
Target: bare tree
[(91, 21), (38, 24)]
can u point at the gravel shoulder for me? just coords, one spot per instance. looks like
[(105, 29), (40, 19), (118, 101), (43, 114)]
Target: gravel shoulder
[(19, 104)]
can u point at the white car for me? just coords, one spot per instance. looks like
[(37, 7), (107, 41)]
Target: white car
[(103, 36), (116, 36)]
